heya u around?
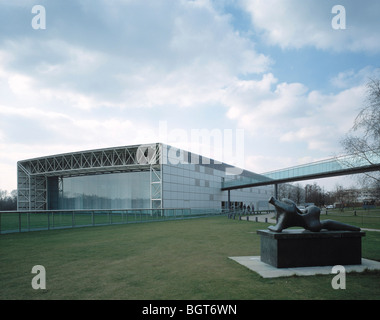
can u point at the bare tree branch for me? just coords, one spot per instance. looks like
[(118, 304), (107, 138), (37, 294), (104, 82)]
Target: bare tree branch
[(363, 140)]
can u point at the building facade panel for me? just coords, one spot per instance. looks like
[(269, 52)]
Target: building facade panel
[(192, 181), (145, 176)]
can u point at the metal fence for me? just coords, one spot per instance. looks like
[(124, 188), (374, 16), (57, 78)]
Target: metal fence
[(25, 221)]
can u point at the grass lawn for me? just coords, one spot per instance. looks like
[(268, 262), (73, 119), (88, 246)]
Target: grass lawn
[(186, 259), (363, 218)]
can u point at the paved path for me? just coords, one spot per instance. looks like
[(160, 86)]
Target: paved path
[(270, 218), (366, 229)]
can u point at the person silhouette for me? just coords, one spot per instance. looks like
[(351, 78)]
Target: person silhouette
[(289, 215)]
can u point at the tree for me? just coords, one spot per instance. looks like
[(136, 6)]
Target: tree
[(292, 192), (363, 140), (340, 196), (298, 193), (314, 194), (8, 202)]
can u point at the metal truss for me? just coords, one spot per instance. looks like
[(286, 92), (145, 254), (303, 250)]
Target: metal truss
[(94, 161), (32, 174), (156, 187), (32, 191)]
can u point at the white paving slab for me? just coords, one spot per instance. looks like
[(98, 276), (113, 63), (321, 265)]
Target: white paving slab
[(267, 271)]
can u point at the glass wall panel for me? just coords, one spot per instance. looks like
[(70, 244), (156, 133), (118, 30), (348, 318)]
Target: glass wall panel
[(52, 193), (106, 191)]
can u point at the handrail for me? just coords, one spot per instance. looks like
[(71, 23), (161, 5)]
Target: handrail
[(24, 221)]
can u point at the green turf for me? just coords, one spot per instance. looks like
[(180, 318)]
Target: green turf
[(186, 259), (359, 217)]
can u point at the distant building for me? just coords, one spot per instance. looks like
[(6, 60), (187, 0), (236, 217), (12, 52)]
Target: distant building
[(366, 194), (357, 197), (139, 176)]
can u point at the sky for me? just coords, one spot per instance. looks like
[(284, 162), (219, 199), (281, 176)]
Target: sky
[(262, 85)]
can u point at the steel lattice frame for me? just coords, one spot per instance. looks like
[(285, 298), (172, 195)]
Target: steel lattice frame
[(32, 174)]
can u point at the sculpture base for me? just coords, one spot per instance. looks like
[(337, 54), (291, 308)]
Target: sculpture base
[(302, 248)]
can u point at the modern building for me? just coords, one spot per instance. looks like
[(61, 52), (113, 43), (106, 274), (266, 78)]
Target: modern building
[(139, 176)]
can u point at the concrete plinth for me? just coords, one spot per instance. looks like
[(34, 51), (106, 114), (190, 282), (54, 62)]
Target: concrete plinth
[(293, 248)]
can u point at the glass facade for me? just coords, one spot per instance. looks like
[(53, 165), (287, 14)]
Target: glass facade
[(198, 186), (124, 178), (102, 191)]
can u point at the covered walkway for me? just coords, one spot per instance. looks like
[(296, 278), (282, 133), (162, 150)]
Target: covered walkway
[(344, 165)]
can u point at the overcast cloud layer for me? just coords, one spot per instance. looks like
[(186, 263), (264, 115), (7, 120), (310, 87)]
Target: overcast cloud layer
[(111, 73)]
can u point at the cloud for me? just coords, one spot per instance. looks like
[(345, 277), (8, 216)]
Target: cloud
[(133, 54), (256, 104), (291, 113), (351, 77), (96, 59), (298, 24)]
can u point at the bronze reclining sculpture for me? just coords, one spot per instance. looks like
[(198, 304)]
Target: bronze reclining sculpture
[(289, 215)]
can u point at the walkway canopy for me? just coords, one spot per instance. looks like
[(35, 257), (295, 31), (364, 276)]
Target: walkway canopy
[(338, 166)]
